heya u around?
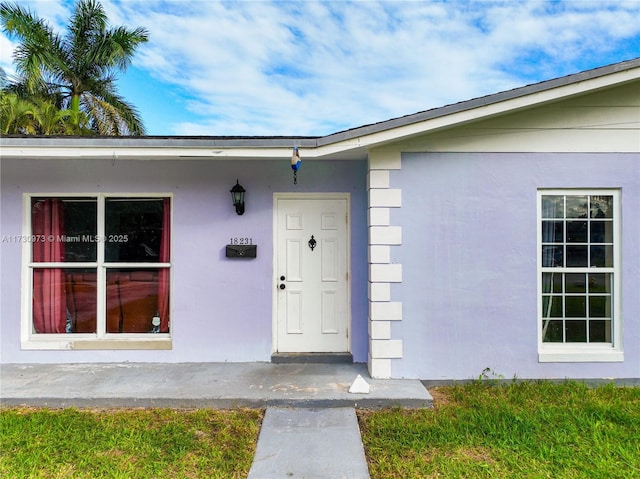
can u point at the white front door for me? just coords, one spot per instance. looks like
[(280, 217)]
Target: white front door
[(312, 274)]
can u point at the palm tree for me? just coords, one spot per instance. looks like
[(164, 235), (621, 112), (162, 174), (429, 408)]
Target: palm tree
[(50, 120), (16, 115), (39, 116), (77, 70)]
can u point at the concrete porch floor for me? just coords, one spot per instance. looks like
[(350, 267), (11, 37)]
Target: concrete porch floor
[(215, 385)]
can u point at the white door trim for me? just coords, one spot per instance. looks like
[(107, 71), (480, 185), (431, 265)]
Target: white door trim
[(274, 277)]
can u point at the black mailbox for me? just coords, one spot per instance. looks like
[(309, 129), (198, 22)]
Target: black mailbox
[(242, 250)]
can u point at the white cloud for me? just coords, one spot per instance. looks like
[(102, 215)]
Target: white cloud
[(311, 68), (6, 51)]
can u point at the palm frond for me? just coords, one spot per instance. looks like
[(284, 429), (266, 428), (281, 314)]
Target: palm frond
[(16, 115), (112, 115), (39, 53)]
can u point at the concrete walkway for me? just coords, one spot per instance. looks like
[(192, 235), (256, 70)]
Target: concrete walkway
[(309, 443), (310, 429)]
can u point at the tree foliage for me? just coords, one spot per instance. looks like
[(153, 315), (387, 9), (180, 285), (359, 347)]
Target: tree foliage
[(39, 116), (74, 73)]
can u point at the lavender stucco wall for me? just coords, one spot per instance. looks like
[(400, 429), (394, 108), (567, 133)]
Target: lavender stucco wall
[(469, 261), (221, 308)]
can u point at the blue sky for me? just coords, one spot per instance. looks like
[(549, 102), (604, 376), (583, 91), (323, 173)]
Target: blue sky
[(314, 68)]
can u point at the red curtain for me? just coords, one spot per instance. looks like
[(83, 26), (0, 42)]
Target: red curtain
[(163, 275), (49, 298), (82, 296)]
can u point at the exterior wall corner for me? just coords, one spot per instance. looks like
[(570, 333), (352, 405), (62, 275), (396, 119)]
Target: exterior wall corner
[(383, 237)]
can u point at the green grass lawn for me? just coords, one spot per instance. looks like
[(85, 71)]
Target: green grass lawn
[(477, 430), (132, 443), (519, 430)]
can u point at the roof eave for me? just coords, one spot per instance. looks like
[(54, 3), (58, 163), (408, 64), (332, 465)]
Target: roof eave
[(348, 144), (489, 106)]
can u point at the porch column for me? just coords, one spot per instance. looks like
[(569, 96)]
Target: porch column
[(382, 270)]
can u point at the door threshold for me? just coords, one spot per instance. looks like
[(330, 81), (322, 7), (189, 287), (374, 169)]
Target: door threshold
[(323, 358)]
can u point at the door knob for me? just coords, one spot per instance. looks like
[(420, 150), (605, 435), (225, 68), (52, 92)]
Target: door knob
[(282, 286), (282, 278)]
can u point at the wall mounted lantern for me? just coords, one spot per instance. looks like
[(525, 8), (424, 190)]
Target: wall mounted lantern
[(237, 194)]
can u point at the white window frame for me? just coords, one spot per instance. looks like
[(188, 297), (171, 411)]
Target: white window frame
[(31, 340), (583, 352)]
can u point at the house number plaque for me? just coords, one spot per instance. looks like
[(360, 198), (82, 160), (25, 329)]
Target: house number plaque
[(236, 240)]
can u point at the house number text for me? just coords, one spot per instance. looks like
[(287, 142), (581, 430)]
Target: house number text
[(241, 241)]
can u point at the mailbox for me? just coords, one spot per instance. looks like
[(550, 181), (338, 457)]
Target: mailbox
[(241, 250)]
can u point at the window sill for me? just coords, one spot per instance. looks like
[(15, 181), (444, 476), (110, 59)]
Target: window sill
[(594, 355), (98, 344)]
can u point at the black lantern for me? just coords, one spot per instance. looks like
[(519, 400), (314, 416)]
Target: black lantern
[(237, 194)]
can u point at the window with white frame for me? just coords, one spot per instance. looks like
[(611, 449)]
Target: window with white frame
[(98, 266), (578, 274)]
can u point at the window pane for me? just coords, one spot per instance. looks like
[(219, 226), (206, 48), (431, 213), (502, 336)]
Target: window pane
[(576, 331), (600, 331), (64, 300), (600, 306), (576, 256), (552, 282), (552, 206), (552, 306), (575, 283), (600, 282), (80, 218), (552, 331), (576, 206), (552, 232), (82, 300), (136, 230), (601, 232), (602, 206), (602, 256), (576, 306), (135, 297), (64, 229), (552, 256), (576, 231)]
